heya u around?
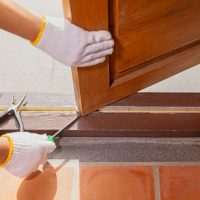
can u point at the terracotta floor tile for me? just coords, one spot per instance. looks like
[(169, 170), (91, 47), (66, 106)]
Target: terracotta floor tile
[(54, 183), (180, 183), (116, 183)]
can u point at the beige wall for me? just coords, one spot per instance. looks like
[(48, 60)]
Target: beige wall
[(25, 68)]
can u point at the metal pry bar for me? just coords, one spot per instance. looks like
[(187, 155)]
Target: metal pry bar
[(68, 125), (52, 137)]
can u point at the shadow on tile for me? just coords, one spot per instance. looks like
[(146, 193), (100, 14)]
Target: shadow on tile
[(40, 185)]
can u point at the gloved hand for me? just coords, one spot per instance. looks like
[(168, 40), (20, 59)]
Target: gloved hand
[(27, 151), (71, 45)]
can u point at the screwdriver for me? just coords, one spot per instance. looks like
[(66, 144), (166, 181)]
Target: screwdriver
[(52, 137)]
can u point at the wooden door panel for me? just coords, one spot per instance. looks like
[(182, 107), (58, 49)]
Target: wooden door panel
[(154, 39), (151, 31), (137, 12)]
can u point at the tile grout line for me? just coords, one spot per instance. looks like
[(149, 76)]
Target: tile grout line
[(181, 163), (156, 182), (75, 192)]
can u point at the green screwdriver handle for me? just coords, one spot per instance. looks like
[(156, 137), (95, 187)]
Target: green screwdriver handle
[(51, 138)]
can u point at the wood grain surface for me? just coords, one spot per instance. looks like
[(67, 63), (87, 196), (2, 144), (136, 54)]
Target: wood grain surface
[(153, 41), (146, 30)]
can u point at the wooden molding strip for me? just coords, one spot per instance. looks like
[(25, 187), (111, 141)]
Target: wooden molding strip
[(44, 109), (112, 109), (149, 109)]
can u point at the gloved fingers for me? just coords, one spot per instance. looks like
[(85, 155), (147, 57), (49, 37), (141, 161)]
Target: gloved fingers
[(44, 142), (92, 57), (37, 136), (20, 134), (49, 146), (43, 160), (40, 137), (25, 173), (100, 46), (30, 171), (98, 36), (36, 165), (94, 62)]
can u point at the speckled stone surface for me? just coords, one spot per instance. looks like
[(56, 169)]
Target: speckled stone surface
[(129, 149)]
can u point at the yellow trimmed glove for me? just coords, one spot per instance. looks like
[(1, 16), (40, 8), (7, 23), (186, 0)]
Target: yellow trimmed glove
[(27, 152), (72, 45)]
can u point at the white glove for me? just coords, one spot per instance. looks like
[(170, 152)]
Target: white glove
[(71, 45), (29, 151)]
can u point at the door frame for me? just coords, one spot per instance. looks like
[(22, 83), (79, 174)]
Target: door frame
[(140, 115)]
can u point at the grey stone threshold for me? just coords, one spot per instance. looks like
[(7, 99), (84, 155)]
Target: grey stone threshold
[(101, 149)]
